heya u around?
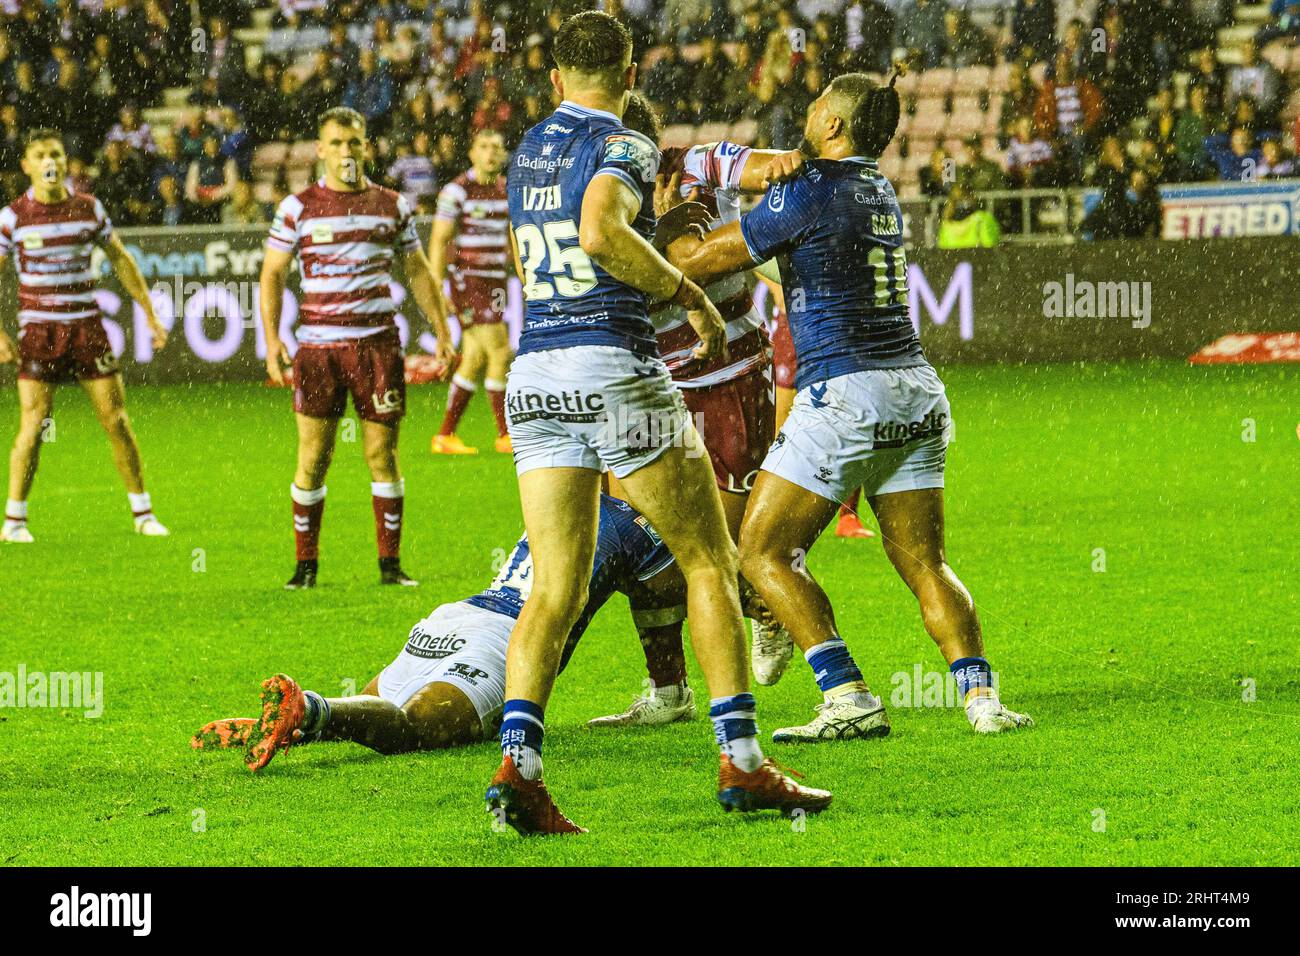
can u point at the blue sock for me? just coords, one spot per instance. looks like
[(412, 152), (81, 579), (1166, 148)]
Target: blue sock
[(974, 678), (521, 736), (833, 665), (737, 730), (316, 713)]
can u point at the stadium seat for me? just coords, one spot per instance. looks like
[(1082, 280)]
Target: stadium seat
[(935, 82), (743, 131), (711, 132), (971, 79), (679, 134), (907, 85), (967, 117), (930, 121), (270, 155), (1278, 53), (1000, 78)]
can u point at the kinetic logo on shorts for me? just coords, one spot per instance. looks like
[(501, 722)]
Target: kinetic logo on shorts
[(575, 406), (898, 434), (433, 646)]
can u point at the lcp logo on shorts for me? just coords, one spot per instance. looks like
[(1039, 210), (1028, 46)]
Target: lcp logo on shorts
[(389, 402), (575, 406)]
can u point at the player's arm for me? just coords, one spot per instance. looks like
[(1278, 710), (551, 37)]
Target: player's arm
[(428, 296), (128, 273), (514, 255), (270, 291), (8, 351), (609, 207), (764, 167), (444, 232), (720, 253)]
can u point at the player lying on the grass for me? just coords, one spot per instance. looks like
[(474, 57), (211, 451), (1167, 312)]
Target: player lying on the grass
[(870, 410), (60, 331), (447, 686), (588, 391), (470, 244), (345, 232)]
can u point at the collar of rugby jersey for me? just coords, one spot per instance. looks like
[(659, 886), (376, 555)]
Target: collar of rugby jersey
[(568, 106)]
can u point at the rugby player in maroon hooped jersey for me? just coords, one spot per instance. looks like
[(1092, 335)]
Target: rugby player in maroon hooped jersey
[(470, 244), (345, 231), (61, 333)]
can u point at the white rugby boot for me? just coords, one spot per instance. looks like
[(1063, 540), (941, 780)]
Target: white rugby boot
[(771, 651), (151, 527), (851, 717), (661, 706), (15, 532), (988, 716)]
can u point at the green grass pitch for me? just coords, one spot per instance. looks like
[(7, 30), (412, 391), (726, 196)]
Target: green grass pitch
[(1147, 750)]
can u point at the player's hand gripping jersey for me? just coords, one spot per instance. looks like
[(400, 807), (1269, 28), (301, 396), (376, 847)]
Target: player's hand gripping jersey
[(837, 233), (714, 169), (569, 299)]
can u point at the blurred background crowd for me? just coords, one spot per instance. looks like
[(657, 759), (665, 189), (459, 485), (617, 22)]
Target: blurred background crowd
[(203, 111)]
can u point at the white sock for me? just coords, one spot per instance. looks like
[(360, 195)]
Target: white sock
[(527, 761), (306, 498), (744, 753), (672, 694), (141, 506), (388, 489), (15, 512)]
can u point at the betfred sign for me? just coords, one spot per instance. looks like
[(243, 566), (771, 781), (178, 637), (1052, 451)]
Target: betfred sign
[(1231, 210)]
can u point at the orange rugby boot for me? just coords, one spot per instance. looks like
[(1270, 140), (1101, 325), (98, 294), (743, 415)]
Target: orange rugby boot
[(525, 804), (283, 708), (450, 445), (850, 525), (767, 788), (504, 445), (228, 733)]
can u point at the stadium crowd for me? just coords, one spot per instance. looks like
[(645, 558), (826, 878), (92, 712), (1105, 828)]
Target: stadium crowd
[(1076, 92)]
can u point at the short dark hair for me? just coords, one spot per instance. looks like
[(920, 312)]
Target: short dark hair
[(343, 116), (41, 134), (641, 117), (872, 114), (592, 42)]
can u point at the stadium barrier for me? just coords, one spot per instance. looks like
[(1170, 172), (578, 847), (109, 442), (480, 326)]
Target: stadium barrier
[(1023, 303)]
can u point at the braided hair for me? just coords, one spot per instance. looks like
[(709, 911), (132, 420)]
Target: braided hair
[(873, 119)]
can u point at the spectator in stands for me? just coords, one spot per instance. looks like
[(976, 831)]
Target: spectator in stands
[(122, 185), (370, 91), (79, 180), (415, 117), (447, 157), (781, 118), (1258, 79), (535, 77), (1112, 167), (965, 223), (1162, 127), (210, 181), (1075, 45), (236, 144), (964, 43), (33, 108), (341, 53), (668, 86), (8, 61), (70, 24), (710, 77), (129, 128), (1033, 30), (1068, 113), (322, 89), (1209, 74), (72, 110), (920, 30), (1019, 99), (1030, 159), (242, 208), (739, 91), (976, 171), (869, 28), (492, 111), (168, 161), (296, 14), (1239, 160), (1145, 211), (1283, 22), (100, 78), (12, 144), (1275, 162), (222, 60), (938, 175), (164, 42), (413, 174), (263, 106), (1195, 123)]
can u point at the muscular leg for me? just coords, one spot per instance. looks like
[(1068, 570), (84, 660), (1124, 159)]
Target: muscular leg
[(784, 402), (561, 509), (380, 444), (911, 527), (733, 509), (781, 525), (437, 717), (35, 401), (315, 450), (679, 495), (496, 340), (108, 398), (473, 360)]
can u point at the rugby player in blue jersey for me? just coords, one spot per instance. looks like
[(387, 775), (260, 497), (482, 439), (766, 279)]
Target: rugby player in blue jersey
[(446, 687), (869, 411), (588, 391)]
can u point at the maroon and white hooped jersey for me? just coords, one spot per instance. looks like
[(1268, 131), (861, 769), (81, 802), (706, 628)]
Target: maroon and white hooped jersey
[(346, 242), (54, 243), (714, 169), (481, 214)]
